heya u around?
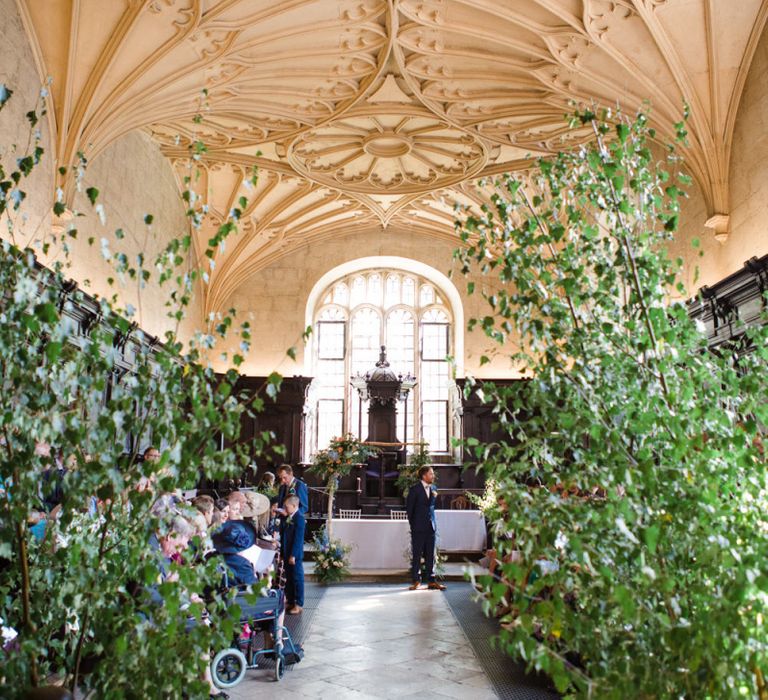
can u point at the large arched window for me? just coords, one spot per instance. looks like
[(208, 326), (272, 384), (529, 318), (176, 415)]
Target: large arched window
[(352, 318)]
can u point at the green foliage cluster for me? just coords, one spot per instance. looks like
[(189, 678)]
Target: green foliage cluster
[(78, 597), (632, 479), (408, 474)]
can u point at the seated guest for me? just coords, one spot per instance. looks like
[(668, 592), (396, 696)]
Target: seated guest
[(291, 486), (256, 510), (273, 522), (230, 539), (200, 524), (220, 512), (167, 503), (205, 505), (292, 543), (237, 502), (267, 484), (168, 547)]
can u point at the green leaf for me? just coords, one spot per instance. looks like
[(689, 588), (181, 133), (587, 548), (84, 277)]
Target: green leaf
[(53, 350), (274, 380), (625, 598), (47, 312), (651, 537)]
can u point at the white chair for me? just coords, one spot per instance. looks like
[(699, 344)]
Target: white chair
[(347, 514), (398, 515)]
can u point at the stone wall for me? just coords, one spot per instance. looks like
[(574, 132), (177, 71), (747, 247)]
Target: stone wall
[(274, 299), (133, 179), (748, 190), (749, 170), (18, 72)]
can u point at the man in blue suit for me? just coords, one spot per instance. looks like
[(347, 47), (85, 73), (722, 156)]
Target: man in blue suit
[(291, 486), (420, 506), (292, 543)]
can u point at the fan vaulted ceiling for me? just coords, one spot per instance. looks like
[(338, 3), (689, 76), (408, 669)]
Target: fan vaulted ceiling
[(366, 113)]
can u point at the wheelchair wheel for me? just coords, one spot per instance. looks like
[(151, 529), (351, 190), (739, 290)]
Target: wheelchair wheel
[(228, 668), (279, 667)]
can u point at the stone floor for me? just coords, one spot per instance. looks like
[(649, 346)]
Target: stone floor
[(378, 641)]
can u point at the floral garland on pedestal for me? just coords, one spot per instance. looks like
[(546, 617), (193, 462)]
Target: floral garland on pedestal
[(337, 461)]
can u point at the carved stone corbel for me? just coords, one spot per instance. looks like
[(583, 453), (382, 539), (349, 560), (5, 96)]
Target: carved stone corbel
[(720, 224)]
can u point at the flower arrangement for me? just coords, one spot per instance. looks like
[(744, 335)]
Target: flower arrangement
[(331, 558), (339, 457)]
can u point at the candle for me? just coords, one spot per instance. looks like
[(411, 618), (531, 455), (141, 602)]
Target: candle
[(358, 485)]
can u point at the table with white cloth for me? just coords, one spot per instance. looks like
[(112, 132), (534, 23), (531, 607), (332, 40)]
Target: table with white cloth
[(384, 544)]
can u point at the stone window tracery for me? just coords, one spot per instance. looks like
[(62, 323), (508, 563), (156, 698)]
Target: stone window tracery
[(358, 314)]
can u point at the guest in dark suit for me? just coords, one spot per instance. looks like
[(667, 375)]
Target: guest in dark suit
[(291, 486), (292, 543), (420, 506)]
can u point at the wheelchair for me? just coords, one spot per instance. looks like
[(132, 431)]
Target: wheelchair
[(258, 620)]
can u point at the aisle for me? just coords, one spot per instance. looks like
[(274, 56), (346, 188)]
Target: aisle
[(373, 642)]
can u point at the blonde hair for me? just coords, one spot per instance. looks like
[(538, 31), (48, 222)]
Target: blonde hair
[(238, 497)]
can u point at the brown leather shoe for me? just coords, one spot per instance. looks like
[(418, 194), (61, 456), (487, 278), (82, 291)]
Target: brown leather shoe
[(435, 586), (414, 586), (295, 610)]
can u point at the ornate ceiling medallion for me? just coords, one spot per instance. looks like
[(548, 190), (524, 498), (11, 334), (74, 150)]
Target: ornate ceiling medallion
[(403, 151)]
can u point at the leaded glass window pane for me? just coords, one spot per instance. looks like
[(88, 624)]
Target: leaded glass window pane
[(366, 340), (409, 291), (434, 424), (330, 421), (434, 341), (330, 340), (426, 295), (392, 293), (374, 289), (358, 291), (341, 294), (399, 341)]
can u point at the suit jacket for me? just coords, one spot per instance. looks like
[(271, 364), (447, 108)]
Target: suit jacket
[(297, 488), (292, 537), (420, 509)]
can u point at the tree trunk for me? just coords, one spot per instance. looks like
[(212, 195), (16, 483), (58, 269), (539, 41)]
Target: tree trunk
[(331, 491)]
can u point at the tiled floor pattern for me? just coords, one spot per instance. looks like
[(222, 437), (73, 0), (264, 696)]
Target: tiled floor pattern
[(368, 642)]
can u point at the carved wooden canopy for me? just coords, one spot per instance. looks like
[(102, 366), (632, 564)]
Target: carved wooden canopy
[(365, 113)]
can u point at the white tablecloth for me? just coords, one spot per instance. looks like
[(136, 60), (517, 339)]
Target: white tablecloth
[(461, 530), (383, 544)]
